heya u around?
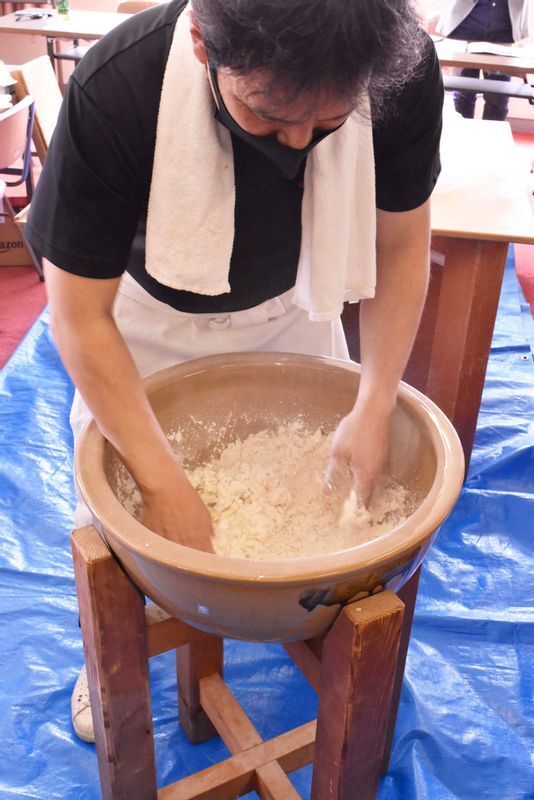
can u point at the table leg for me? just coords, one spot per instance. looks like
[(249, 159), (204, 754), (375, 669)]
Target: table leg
[(458, 321), (450, 354), (50, 51)]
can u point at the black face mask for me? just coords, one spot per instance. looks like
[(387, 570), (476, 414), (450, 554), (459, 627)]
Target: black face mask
[(287, 159)]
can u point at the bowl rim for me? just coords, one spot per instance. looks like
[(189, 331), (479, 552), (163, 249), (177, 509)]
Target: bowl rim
[(120, 527)]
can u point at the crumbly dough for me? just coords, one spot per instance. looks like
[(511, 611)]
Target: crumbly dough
[(266, 498)]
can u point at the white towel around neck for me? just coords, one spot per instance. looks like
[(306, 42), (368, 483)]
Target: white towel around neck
[(190, 225)]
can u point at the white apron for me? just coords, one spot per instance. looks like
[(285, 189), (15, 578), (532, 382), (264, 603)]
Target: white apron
[(158, 336)]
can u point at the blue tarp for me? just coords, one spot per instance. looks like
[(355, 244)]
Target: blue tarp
[(465, 726)]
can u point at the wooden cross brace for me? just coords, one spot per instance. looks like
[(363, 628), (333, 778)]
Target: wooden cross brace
[(357, 669)]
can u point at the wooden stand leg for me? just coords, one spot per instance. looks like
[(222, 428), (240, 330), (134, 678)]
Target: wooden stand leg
[(408, 595), (356, 686), (195, 661), (112, 618)]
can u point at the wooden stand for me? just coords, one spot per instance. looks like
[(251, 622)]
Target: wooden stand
[(357, 669)]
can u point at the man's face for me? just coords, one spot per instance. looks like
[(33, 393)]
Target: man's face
[(261, 109)]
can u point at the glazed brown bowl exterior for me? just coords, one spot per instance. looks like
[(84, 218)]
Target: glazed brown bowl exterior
[(215, 400)]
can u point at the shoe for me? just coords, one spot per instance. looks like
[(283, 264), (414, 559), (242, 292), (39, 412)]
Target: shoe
[(80, 709)]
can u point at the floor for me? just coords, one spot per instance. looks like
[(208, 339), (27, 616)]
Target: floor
[(23, 297), (463, 725), (466, 696)]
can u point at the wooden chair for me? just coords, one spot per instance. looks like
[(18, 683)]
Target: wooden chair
[(37, 78), (16, 127)]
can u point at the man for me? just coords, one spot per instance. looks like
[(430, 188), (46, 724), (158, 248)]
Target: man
[(503, 21), (211, 187)]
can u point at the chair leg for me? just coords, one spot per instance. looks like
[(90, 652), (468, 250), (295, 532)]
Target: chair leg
[(37, 263), (29, 182), (356, 686), (112, 618), (11, 214), (51, 52)]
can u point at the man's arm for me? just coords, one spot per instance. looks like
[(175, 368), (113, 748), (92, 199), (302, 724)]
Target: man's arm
[(388, 324), (102, 368)]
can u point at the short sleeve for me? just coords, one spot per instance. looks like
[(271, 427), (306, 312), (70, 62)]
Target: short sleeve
[(88, 200), (406, 140)]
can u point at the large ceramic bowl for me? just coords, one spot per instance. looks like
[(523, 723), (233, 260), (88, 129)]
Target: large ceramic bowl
[(218, 398)]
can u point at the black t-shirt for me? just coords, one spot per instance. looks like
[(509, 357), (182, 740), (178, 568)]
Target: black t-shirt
[(88, 215)]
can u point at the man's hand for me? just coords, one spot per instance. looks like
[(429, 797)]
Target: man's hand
[(101, 366), (174, 510), (358, 453), (388, 324)]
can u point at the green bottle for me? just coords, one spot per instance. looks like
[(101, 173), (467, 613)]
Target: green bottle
[(63, 9)]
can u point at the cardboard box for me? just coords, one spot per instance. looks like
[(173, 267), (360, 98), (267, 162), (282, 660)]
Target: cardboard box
[(12, 249)]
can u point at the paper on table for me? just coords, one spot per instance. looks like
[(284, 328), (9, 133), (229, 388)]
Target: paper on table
[(493, 49)]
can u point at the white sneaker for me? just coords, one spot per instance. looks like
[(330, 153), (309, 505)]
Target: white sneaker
[(80, 709)]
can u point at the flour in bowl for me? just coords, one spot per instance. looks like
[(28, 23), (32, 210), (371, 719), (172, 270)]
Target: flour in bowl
[(266, 500)]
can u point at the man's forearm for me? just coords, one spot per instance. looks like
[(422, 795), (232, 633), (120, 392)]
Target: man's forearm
[(388, 325), (101, 366), (103, 370), (389, 322)]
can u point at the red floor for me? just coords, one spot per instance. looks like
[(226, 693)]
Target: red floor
[(22, 295), (22, 298), (524, 254), (524, 265)]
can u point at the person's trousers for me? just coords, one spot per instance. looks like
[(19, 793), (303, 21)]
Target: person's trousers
[(495, 105), (158, 336)]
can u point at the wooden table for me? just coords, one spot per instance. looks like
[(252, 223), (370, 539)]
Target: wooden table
[(453, 53), (79, 25), (480, 205), (84, 25)]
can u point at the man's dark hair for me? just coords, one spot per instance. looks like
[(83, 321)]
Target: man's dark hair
[(343, 46)]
